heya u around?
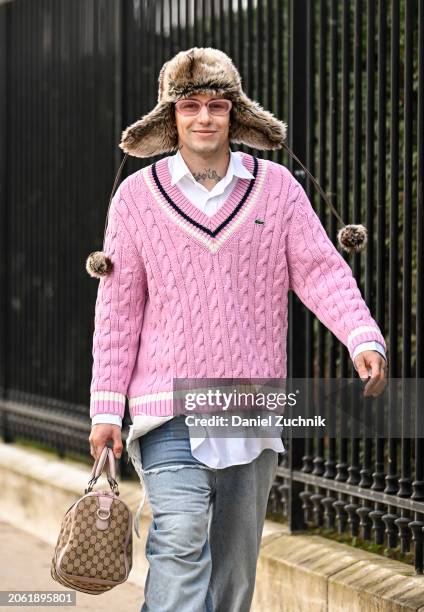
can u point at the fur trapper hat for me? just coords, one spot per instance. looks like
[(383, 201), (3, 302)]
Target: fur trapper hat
[(212, 72)]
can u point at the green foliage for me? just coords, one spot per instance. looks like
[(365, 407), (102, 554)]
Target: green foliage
[(368, 545)]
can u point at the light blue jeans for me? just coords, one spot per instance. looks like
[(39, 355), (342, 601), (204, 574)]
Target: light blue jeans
[(203, 542)]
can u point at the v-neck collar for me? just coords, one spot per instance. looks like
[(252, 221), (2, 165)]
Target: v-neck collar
[(211, 225), (210, 230)]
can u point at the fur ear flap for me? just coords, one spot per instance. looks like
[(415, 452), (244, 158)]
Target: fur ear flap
[(255, 126), (98, 264), (153, 134)]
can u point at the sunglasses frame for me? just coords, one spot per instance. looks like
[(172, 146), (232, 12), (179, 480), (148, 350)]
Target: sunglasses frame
[(201, 105)]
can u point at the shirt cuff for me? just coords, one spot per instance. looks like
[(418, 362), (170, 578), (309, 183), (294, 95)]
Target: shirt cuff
[(373, 345), (112, 419)]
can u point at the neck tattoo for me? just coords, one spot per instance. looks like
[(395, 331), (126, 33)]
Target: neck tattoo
[(208, 173)]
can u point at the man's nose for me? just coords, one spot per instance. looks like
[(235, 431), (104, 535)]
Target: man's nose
[(204, 114)]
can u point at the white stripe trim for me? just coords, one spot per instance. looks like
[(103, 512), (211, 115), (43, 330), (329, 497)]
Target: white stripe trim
[(152, 397), (361, 330), (108, 396), (156, 397)]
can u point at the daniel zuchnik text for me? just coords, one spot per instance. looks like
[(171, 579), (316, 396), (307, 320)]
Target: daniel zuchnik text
[(276, 420)]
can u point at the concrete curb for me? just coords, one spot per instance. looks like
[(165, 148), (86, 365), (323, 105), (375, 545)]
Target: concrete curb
[(295, 573), (308, 572)]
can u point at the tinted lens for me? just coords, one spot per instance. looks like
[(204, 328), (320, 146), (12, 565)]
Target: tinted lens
[(219, 107), (188, 107)]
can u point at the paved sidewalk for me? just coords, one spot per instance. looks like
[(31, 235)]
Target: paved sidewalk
[(25, 565)]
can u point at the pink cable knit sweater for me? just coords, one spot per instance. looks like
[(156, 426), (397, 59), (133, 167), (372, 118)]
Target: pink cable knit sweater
[(192, 296)]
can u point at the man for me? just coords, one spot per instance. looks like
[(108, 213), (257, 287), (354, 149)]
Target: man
[(200, 251)]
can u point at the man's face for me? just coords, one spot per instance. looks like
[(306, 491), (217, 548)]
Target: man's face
[(203, 133)]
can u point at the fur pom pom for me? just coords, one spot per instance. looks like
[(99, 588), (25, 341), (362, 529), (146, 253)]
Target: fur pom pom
[(98, 264), (352, 238)]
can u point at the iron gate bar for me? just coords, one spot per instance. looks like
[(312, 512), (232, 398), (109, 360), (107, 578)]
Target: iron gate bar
[(354, 490)]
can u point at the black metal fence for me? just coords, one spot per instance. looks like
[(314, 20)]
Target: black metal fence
[(364, 114), (347, 77)]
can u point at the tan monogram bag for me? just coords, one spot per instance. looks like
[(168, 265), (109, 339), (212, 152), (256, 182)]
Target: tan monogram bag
[(94, 548)]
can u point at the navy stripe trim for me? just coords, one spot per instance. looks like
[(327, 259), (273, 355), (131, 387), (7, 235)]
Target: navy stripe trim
[(215, 232)]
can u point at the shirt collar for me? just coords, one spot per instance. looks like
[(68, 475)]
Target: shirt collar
[(235, 168)]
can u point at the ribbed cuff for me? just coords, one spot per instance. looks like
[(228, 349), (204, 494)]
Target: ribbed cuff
[(364, 333), (107, 402), (155, 404)]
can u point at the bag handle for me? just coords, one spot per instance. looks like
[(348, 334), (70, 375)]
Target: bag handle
[(100, 463), (106, 457)]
